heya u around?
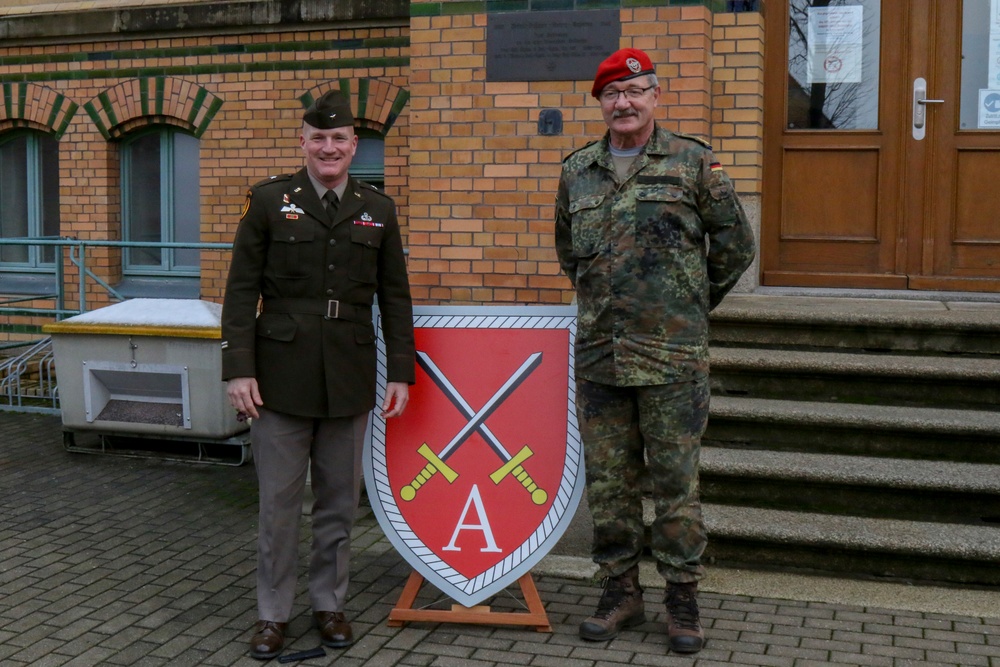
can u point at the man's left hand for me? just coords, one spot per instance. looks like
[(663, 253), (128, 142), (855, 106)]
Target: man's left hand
[(397, 395)]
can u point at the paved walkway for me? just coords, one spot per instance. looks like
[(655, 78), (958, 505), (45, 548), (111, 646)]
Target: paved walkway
[(133, 561)]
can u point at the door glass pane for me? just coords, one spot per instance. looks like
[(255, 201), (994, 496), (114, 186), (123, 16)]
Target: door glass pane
[(833, 64), (980, 103)]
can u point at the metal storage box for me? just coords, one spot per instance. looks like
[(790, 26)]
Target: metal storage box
[(145, 367)]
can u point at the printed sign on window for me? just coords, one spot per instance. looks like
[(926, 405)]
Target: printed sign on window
[(834, 36)]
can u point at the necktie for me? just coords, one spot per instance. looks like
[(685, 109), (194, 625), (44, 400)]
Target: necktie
[(331, 204)]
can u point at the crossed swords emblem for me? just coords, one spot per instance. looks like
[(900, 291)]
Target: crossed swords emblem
[(476, 423)]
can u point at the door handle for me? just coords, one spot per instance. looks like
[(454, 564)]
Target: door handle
[(920, 103)]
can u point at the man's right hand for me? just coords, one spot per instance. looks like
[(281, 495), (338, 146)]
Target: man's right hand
[(244, 396)]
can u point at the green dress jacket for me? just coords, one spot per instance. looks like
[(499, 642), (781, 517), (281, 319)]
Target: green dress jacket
[(312, 348)]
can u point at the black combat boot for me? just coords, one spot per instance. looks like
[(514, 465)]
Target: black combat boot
[(620, 607), (684, 633)]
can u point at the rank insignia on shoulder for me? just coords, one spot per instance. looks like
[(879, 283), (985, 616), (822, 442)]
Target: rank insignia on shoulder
[(693, 137)]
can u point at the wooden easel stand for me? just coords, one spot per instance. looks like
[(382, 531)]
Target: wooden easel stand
[(479, 615)]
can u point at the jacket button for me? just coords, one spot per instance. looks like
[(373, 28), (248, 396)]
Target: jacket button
[(291, 238), (331, 267), (333, 241)]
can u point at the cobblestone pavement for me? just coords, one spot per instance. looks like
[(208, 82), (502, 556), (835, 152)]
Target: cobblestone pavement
[(106, 560)]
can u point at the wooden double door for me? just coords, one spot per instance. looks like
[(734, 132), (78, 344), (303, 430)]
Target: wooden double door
[(882, 144)]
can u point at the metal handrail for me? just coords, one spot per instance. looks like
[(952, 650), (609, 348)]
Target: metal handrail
[(38, 353), (78, 257)]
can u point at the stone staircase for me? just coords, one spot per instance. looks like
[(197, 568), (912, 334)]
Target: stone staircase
[(855, 436)]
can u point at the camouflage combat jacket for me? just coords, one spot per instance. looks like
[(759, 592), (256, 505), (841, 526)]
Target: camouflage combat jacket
[(649, 256)]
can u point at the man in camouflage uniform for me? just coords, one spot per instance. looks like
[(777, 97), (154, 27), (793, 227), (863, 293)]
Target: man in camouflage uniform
[(652, 236)]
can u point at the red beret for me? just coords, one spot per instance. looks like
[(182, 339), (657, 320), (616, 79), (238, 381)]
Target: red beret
[(621, 65)]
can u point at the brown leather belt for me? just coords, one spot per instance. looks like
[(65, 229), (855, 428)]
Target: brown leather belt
[(329, 309)]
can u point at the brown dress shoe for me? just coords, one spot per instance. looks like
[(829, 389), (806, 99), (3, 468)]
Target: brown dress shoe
[(268, 640), (334, 630)]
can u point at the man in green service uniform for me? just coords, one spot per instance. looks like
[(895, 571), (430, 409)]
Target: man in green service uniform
[(315, 248), (652, 236)]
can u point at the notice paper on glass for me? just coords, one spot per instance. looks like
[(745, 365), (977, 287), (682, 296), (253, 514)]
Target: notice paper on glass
[(993, 57), (835, 42)]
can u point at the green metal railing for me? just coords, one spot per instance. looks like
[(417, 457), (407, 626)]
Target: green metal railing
[(78, 257)]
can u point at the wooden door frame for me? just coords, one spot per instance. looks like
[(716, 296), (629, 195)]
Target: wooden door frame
[(776, 142), (929, 265), (916, 211)]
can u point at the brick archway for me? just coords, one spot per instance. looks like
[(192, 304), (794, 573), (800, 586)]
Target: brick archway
[(138, 102), (35, 106), (376, 103)]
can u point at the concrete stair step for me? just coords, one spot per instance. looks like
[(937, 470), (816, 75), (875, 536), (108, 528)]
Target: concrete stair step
[(940, 421), (902, 366), (931, 326), (956, 382), (848, 428), (929, 551), (853, 470), (754, 538), (943, 491), (853, 436)]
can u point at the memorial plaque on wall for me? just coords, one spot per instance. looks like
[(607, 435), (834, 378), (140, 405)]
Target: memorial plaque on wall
[(549, 46)]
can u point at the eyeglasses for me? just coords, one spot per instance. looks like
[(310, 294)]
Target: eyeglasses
[(611, 95)]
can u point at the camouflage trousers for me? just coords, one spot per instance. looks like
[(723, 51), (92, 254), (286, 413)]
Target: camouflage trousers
[(640, 440)]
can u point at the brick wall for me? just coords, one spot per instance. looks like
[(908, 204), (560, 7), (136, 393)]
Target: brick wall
[(473, 178), (242, 95), (482, 178), (738, 97)]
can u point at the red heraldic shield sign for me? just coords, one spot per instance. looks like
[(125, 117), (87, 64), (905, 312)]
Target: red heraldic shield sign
[(482, 474)]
